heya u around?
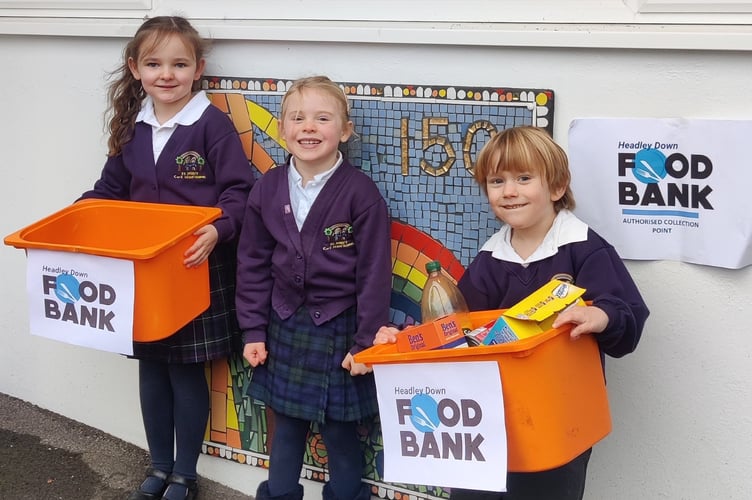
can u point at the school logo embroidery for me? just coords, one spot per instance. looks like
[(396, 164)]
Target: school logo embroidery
[(190, 166), (339, 236)]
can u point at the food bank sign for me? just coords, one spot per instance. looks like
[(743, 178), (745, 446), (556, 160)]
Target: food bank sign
[(443, 424), (671, 189), (81, 299)]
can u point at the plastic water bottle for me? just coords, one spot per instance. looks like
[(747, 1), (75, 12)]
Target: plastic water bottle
[(441, 297)]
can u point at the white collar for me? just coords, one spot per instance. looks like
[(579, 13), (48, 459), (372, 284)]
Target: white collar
[(189, 115), (297, 179), (567, 228)]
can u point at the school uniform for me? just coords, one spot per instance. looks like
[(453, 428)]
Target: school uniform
[(498, 278), (201, 163), (314, 293)]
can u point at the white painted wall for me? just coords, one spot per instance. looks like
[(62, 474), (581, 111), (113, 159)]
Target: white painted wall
[(681, 404)]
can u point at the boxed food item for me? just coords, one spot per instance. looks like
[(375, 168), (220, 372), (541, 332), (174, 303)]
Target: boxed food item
[(531, 316), (535, 314), (476, 336), (553, 297), (444, 333)]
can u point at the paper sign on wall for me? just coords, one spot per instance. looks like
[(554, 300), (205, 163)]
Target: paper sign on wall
[(81, 299), (666, 188), (443, 424)]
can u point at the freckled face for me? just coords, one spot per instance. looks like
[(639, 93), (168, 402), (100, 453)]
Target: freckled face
[(313, 127), (167, 73), (522, 200)]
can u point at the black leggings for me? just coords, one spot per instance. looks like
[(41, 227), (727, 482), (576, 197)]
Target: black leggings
[(563, 483), (175, 409)]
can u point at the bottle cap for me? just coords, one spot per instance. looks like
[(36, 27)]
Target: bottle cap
[(433, 266)]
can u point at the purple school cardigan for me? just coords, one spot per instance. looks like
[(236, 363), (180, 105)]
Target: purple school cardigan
[(340, 258)]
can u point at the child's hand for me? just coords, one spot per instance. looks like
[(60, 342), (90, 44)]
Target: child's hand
[(386, 335), (206, 240), (354, 368), (255, 353), (586, 319)]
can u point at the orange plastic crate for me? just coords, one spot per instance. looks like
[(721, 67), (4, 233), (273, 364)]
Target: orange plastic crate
[(154, 236), (555, 400)]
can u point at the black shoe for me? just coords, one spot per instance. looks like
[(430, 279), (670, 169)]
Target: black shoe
[(189, 485), (262, 493), (363, 494), (140, 494)]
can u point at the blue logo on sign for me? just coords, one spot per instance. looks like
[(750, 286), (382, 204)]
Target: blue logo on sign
[(649, 166), (425, 413), (67, 288)]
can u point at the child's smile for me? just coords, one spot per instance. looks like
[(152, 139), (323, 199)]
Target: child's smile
[(523, 201), (313, 130), (167, 74)]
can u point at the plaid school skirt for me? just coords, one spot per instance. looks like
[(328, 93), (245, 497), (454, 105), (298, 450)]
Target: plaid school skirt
[(303, 377), (213, 334)]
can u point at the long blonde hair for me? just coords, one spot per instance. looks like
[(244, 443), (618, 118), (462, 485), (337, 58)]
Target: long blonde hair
[(125, 93)]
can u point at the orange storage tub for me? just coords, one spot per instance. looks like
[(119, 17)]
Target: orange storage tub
[(555, 400), (154, 236)]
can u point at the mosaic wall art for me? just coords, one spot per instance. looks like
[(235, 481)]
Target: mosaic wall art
[(418, 143)]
